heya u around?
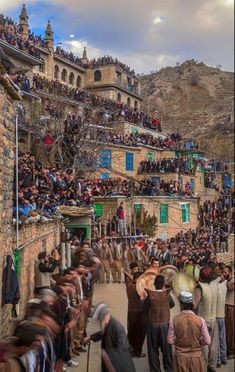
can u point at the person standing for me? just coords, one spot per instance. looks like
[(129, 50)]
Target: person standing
[(158, 304), (121, 220), (220, 318), (136, 318), (206, 302), (116, 268), (229, 311), (106, 259), (188, 332), (44, 269)]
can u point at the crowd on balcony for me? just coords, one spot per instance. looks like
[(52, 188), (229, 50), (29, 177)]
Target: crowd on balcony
[(215, 219), (181, 165), (165, 188), (109, 60), (10, 32)]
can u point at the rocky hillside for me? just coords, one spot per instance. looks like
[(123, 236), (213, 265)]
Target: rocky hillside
[(195, 100)]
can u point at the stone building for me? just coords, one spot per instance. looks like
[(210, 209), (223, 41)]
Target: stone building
[(109, 80), (173, 214)]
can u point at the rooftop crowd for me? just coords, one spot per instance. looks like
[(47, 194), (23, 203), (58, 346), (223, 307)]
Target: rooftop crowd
[(10, 32), (109, 60)]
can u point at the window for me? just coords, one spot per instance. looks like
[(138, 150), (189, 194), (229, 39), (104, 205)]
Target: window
[(129, 161), (105, 176), (98, 210), (137, 209), (106, 158), (79, 82), (119, 97), (163, 213), (71, 78), (136, 104), (97, 75), (128, 102), (150, 156), (181, 183), (56, 72), (64, 75), (185, 213), (192, 184)]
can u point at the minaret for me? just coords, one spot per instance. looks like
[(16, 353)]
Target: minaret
[(49, 37), (23, 23), (84, 56)]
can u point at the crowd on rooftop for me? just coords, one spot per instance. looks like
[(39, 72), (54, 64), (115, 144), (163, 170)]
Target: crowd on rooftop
[(70, 56), (109, 60), (10, 32)]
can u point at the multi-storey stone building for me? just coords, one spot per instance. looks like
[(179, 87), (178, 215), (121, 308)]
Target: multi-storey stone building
[(109, 79)]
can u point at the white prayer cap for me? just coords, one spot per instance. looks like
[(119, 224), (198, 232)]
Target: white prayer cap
[(186, 297), (101, 311)]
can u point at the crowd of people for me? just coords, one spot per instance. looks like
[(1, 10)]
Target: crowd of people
[(43, 189), (53, 332), (70, 56), (110, 110), (10, 32), (109, 60), (165, 188), (181, 165)]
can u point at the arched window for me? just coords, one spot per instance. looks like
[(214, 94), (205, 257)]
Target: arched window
[(64, 75), (128, 102), (119, 97), (79, 82), (56, 72), (97, 75), (71, 78), (136, 104)]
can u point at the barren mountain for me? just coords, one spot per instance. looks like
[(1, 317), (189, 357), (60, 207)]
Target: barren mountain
[(195, 100)]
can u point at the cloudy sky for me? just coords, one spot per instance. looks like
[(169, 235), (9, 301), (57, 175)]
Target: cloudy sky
[(146, 34)]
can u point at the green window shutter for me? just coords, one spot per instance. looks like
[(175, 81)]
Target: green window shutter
[(163, 213), (99, 210), (150, 156), (137, 207), (185, 213)]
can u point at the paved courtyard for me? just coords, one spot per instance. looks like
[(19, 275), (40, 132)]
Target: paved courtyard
[(115, 296)]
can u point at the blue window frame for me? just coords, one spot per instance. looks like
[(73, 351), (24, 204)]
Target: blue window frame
[(104, 176), (192, 184), (129, 161), (106, 158)]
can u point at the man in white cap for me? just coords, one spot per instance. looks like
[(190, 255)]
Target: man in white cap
[(115, 352), (188, 332)]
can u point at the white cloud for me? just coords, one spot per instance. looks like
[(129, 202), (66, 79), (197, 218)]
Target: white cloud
[(143, 32), (77, 47), (158, 20)]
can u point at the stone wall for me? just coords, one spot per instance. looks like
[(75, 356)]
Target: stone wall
[(34, 239), (7, 148)]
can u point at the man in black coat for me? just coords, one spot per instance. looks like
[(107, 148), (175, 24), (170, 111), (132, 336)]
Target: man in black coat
[(115, 351)]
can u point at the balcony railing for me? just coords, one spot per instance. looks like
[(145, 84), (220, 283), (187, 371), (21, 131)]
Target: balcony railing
[(130, 87)]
